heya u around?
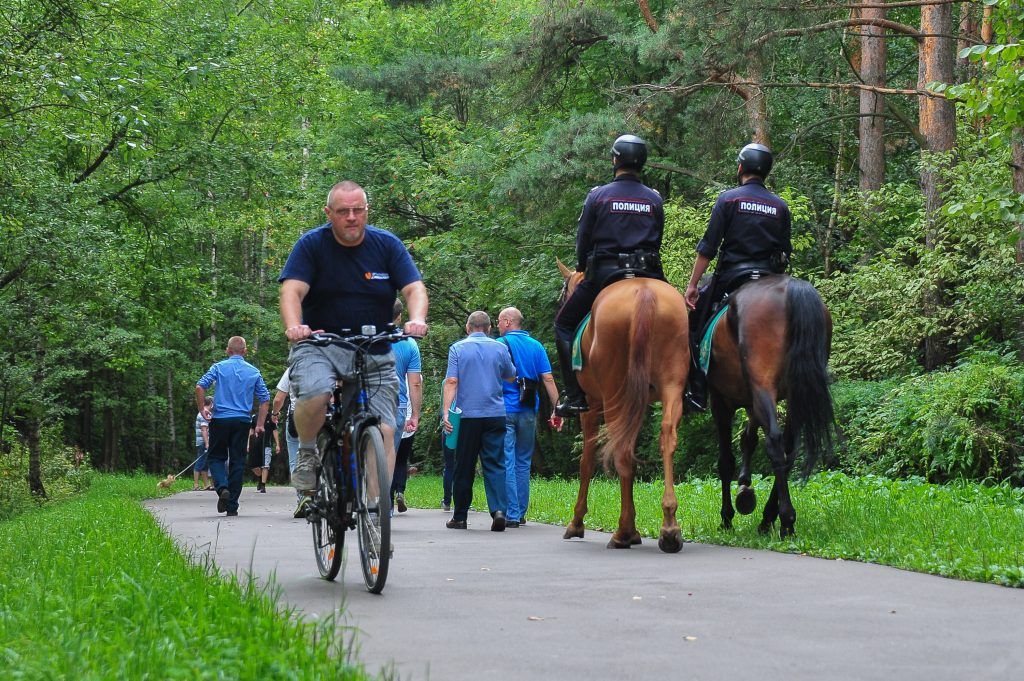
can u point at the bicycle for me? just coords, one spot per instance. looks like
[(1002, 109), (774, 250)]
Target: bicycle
[(353, 489)]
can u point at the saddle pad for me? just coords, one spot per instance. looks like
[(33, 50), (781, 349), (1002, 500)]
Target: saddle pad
[(577, 350), (704, 355)]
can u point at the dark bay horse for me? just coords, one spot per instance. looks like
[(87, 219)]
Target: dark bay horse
[(772, 345), (634, 353)]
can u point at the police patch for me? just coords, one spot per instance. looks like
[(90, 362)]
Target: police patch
[(756, 208), (372, 276), (632, 207)]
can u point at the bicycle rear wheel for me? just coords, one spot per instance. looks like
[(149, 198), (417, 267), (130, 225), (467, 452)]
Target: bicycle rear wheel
[(324, 517), (374, 509)]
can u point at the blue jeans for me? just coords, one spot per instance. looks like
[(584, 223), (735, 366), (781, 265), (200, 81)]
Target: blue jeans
[(520, 435), (228, 438)]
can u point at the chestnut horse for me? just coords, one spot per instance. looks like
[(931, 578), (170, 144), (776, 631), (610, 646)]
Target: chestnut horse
[(772, 345), (634, 353)]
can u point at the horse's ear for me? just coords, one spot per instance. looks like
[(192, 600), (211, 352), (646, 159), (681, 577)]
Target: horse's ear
[(566, 272)]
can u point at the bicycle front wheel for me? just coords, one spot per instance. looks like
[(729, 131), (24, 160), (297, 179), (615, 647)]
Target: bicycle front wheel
[(374, 504), (325, 519)]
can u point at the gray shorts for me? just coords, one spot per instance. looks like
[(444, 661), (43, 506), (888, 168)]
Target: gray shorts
[(315, 371)]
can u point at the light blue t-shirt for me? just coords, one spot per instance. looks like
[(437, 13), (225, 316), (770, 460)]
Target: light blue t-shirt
[(407, 359), (480, 363), (237, 382), (531, 360)]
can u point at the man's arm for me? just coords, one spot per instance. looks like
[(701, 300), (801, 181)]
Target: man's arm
[(416, 302), (279, 398), (293, 292), (201, 402), (549, 385), (700, 266), (451, 386), (204, 430), (415, 380), (583, 235)]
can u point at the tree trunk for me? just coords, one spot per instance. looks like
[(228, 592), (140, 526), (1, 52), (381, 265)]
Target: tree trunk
[(213, 275), (837, 195), (938, 125), (172, 429), (872, 104), (986, 25), (35, 473), (1018, 186), (968, 30), (109, 449)]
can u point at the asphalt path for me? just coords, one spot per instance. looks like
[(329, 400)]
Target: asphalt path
[(526, 604)]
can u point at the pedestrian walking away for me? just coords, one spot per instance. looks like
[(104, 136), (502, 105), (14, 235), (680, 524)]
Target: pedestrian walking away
[(522, 400), (237, 385), (200, 469), (477, 365)]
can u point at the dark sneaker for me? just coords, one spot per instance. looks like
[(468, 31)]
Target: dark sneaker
[(400, 503), (223, 495), (302, 509), (511, 524), (231, 513), (454, 524), (261, 487), (446, 507)]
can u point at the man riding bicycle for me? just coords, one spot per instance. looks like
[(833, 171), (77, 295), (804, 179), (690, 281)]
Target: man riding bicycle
[(344, 275)]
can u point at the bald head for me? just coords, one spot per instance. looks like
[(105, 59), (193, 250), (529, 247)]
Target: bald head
[(345, 186), (478, 321), (512, 317), (236, 345)]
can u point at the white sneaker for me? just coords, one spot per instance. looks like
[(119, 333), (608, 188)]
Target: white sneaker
[(304, 475)]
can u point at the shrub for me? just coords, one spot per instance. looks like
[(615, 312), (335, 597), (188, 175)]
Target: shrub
[(960, 423), (64, 470)]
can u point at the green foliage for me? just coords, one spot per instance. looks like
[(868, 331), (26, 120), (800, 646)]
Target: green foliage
[(64, 469), (945, 425), (102, 558)]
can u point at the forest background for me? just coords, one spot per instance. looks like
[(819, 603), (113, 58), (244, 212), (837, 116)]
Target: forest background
[(159, 159)]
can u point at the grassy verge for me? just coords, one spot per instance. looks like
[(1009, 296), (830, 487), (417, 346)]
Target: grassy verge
[(91, 588), (964, 530)]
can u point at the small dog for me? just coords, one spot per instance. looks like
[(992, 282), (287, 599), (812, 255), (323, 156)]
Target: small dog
[(166, 482)]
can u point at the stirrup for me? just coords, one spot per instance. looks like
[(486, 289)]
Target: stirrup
[(570, 408), (692, 403)]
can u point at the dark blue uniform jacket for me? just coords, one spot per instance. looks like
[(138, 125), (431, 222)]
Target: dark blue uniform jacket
[(622, 216), (747, 224)]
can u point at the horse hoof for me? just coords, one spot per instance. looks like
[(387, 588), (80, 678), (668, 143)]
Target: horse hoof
[(765, 528), (613, 543), (726, 524), (573, 532), (785, 532), (635, 539), (746, 500), (671, 542)]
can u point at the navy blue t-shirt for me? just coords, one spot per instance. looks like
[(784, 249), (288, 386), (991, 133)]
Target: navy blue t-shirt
[(349, 286)]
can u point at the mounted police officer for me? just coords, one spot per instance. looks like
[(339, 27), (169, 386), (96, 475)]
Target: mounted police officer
[(619, 235), (749, 230)]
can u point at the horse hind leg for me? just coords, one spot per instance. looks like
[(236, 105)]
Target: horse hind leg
[(589, 421), (626, 535), (746, 499), (726, 461), (670, 539)]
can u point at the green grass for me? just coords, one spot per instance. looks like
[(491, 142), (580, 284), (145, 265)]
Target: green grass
[(91, 588), (962, 530)]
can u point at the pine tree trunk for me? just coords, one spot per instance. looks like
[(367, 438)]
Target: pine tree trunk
[(172, 428), (872, 104), (213, 275), (938, 125)]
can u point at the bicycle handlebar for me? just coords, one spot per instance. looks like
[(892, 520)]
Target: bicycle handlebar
[(358, 339)]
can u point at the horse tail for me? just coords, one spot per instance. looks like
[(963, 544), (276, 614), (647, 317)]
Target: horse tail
[(809, 411), (630, 401)]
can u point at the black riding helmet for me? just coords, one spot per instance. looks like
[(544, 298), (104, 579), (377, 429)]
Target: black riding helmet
[(629, 151), (755, 159)]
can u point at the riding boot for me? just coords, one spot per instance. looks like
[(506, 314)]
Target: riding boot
[(696, 398), (575, 401)]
